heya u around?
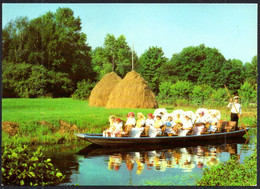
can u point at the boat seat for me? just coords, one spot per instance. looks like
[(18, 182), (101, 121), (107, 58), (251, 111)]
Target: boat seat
[(204, 133)]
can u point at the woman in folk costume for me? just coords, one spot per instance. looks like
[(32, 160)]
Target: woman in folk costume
[(130, 122), (111, 128), (187, 125), (200, 123), (149, 122), (140, 120), (118, 128), (235, 110), (169, 124), (136, 132), (158, 124), (215, 116), (177, 118)]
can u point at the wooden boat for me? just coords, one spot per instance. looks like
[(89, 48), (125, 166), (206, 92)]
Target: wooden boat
[(93, 150), (123, 141)]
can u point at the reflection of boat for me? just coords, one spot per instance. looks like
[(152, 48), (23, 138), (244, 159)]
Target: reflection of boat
[(123, 141), (96, 150), (182, 156)]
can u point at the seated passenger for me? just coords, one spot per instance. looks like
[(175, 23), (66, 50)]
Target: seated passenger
[(169, 124), (130, 123), (108, 131), (187, 125), (177, 120), (136, 132), (156, 129), (163, 117), (149, 122), (158, 123), (213, 122), (200, 123), (118, 128), (140, 120)]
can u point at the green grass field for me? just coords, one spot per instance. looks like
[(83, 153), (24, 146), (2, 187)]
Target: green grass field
[(27, 112)]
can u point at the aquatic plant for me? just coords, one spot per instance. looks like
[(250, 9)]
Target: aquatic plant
[(232, 173), (20, 166)]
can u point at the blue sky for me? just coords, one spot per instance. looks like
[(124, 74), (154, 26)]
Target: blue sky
[(231, 28)]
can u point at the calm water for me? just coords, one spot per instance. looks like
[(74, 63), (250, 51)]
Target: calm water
[(153, 165)]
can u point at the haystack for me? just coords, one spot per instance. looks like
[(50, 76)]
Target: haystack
[(100, 94), (132, 92)]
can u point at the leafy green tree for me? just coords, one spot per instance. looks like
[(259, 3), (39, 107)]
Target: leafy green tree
[(250, 70), (26, 80), (201, 93), (114, 55), (83, 90), (165, 90), (231, 75), (167, 71), (60, 47), (247, 92), (219, 96), (149, 65), (181, 89), (204, 65)]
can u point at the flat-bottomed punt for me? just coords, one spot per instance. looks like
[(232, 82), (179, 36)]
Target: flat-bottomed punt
[(122, 141)]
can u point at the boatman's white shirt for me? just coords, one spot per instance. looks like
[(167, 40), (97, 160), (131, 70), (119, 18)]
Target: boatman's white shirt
[(233, 110)]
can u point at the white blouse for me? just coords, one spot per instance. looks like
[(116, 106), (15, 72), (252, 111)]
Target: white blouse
[(187, 124), (213, 120), (201, 120), (118, 125), (150, 122), (130, 121)]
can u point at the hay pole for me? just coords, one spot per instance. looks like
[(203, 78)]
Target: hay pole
[(132, 57), (113, 62), (236, 110)]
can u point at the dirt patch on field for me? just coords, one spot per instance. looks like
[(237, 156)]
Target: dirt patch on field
[(10, 127), (66, 127), (249, 114), (46, 124)]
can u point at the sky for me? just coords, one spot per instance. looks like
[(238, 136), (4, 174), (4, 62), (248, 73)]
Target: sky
[(231, 28)]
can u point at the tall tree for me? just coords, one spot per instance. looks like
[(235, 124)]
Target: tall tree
[(149, 65), (114, 55), (250, 70), (53, 40)]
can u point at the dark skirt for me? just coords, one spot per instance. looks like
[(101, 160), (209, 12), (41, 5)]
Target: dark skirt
[(234, 117)]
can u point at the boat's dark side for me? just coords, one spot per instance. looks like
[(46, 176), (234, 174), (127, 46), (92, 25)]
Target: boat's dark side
[(119, 141), (93, 150)]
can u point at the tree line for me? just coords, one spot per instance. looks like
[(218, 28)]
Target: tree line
[(50, 56)]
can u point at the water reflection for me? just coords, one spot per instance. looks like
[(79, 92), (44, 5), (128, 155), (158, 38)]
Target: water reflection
[(160, 158)]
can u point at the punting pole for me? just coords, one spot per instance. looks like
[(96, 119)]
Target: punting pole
[(133, 57), (236, 110)]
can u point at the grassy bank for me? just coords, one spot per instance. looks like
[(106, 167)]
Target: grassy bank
[(27, 112)]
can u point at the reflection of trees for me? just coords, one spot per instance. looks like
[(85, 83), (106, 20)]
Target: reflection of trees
[(185, 159), (63, 157), (67, 164)]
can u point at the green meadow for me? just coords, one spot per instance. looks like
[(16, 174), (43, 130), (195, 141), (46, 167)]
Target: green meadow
[(26, 112)]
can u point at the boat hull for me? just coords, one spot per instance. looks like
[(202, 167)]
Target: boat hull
[(122, 141)]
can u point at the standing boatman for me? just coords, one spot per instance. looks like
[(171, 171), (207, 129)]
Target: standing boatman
[(235, 110)]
